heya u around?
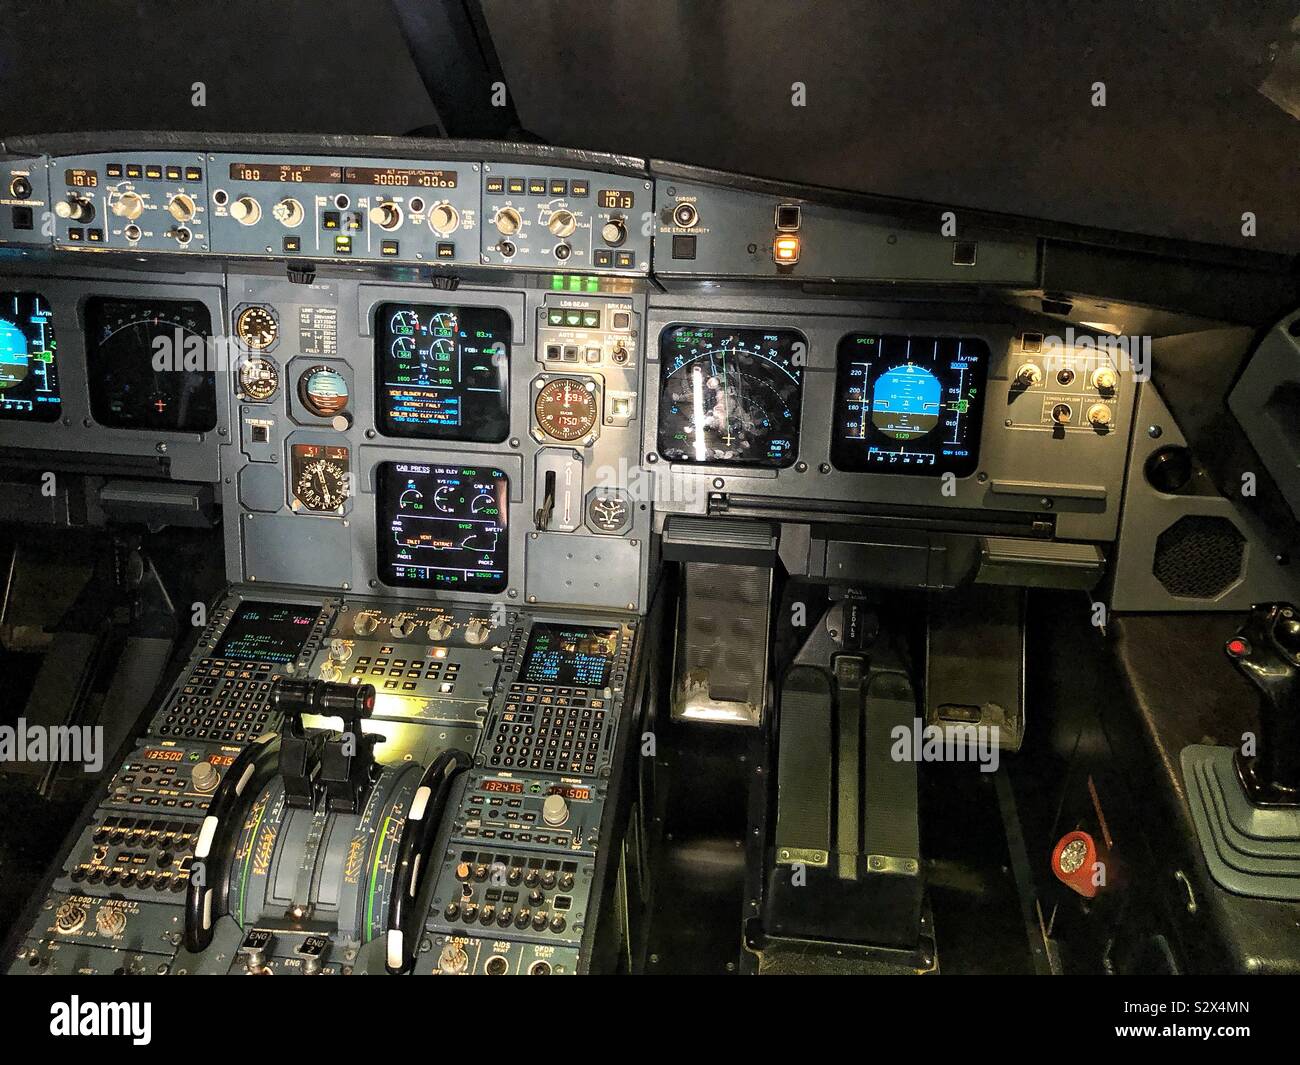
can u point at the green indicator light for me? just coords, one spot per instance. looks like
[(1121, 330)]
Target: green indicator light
[(575, 283), (593, 284), (557, 282)]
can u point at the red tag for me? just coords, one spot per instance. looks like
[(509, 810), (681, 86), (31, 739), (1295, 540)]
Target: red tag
[(1074, 861)]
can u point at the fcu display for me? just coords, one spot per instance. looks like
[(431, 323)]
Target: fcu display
[(29, 379), (443, 527), (148, 364), (443, 372), (568, 655), (730, 396), (266, 632), (909, 405)]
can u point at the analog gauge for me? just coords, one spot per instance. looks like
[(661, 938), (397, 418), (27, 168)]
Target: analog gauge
[(320, 476), (323, 391), (730, 396), (257, 328), (566, 408), (259, 379)]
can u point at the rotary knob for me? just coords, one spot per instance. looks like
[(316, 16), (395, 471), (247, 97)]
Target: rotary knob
[(1104, 379), (477, 631), (1099, 415), (75, 209), (402, 627), (128, 205), (453, 959), (562, 223), (330, 672), (246, 211), (365, 624), (288, 212), (340, 650), (614, 232), (507, 221), (440, 628), (444, 219), (69, 918), (555, 811), (1029, 375), (110, 921), (386, 215), (181, 207), (204, 777), (1062, 414)]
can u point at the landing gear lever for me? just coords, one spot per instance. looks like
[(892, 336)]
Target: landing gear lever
[(1267, 652)]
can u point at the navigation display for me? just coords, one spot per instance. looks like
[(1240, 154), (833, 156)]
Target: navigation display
[(266, 632), (909, 405), (572, 656), (443, 372), (29, 378), (730, 396), (443, 527), (150, 364)]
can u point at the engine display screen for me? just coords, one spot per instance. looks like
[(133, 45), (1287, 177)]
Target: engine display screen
[(573, 656), (266, 632), (443, 527), (730, 396), (443, 372), (909, 404), (150, 366), (29, 378)]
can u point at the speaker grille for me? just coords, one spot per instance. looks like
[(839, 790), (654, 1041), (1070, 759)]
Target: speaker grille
[(1199, 557)]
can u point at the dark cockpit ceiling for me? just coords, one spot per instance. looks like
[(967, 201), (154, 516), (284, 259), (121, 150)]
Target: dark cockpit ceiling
[(979, 105)]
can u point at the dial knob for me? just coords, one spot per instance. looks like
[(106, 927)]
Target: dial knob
[(1099, 415), (477, 631), (75, 209), (181, 207), (402, 627), (444, 219), (386, 215), (365, 624), (1028, 375), (288, 212), (205, 777), (246, 211), (614, 232), (562, 223), (555, 811), (1104, 379), (110, 920), (340, 650), (330, 672), (128, 205), (1062, 413), (440, 628), (507, 221), (453, 959)]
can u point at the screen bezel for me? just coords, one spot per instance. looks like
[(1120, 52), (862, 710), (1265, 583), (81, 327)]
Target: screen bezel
[(384, 561), (381, 340)]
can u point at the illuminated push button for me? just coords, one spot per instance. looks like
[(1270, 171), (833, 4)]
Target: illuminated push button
[(1104, 379), (555, 811), (1074, 863), (1029, 375), (1099, 415), (785, 250)]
